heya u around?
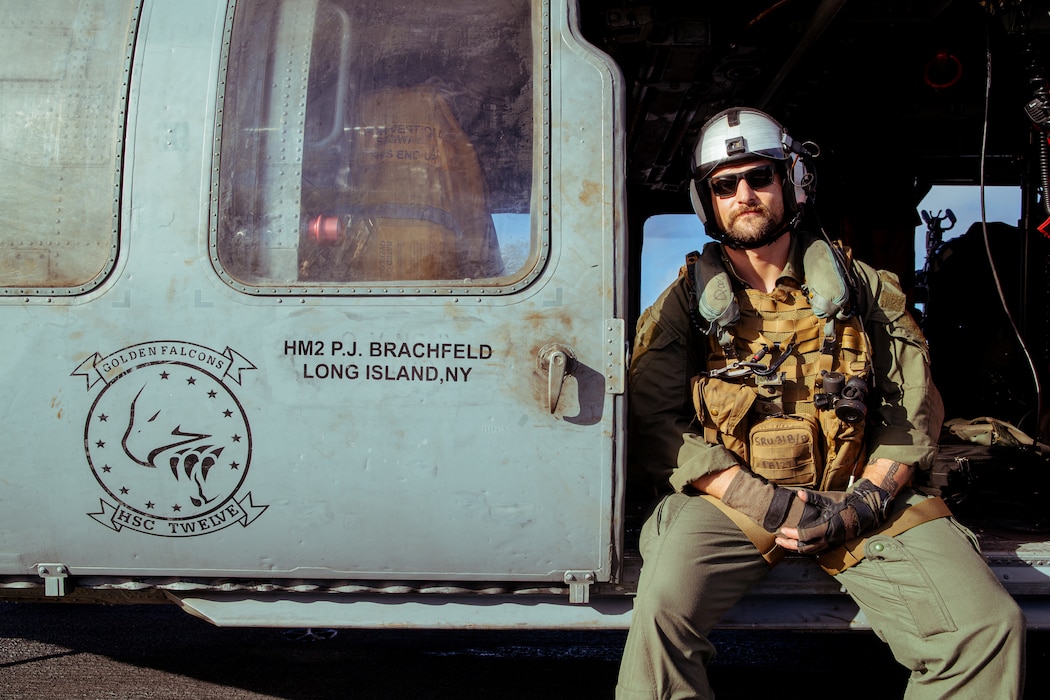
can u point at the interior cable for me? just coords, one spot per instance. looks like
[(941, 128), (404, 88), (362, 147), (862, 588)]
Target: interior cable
[(987, 243)]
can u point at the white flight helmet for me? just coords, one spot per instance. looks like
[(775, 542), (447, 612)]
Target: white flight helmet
[(739, 135)]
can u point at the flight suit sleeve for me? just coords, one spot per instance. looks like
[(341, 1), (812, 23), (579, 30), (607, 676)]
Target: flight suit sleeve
[(665, 440), (904, 409)]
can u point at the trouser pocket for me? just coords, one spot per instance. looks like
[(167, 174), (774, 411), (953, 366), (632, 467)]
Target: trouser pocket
[(903, 580)]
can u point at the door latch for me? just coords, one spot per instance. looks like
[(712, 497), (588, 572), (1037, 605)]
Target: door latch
[(558, 361)]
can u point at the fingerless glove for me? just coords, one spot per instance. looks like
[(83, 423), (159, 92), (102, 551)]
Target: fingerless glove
[(863, 509), (770, 505)]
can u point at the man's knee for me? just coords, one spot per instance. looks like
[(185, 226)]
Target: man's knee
[(1007, 620)]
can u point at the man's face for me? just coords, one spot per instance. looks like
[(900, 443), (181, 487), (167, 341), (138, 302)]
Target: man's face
[(746, 212)]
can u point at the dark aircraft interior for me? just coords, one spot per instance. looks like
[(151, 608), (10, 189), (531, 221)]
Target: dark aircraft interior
[(899, 96)]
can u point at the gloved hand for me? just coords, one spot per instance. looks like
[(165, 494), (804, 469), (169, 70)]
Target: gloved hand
[(845, 516), (773, 506)]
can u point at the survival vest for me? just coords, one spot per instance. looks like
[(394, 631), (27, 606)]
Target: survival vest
[(777, 389)]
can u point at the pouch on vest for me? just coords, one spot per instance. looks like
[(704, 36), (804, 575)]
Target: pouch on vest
[(846, 453), (723, 409), (787, 450)]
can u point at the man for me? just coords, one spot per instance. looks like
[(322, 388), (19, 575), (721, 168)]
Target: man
[(775, 361)]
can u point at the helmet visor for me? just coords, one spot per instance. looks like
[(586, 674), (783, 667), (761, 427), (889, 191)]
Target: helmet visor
[(735, 136)]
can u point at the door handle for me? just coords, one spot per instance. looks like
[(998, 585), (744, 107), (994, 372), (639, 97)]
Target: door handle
[(558, 362)]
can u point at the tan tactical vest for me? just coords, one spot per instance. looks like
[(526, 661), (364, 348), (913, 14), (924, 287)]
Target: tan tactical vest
[(771, 422)]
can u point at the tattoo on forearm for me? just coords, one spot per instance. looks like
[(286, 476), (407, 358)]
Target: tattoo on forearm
[(889, 480)]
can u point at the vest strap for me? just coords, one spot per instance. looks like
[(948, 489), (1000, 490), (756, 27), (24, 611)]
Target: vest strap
[(838, 560), (765, 542)]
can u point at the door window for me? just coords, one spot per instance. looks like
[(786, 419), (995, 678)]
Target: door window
[(377, 146)]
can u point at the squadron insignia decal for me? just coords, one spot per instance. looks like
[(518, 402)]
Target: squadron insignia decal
[(167, 439)]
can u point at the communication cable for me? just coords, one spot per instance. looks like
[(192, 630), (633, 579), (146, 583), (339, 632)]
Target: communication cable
[(987, 244)]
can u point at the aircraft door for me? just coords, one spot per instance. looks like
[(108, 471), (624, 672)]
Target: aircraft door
[(448, 397), (352, 312)]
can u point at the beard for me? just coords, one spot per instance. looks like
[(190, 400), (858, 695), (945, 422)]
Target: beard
[(758, 227)]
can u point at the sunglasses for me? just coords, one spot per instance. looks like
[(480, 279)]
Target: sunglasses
[(757, 178)]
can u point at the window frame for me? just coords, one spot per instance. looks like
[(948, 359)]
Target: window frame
[(116, 149), (540, 197)]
